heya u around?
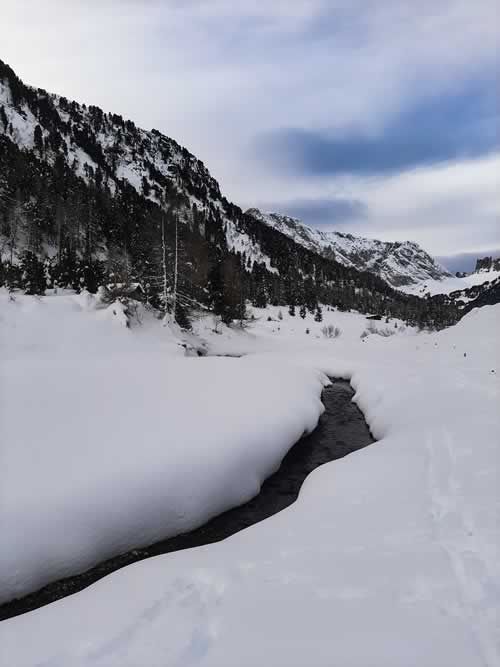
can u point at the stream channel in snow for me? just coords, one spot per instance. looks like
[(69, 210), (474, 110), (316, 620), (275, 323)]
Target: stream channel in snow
[(341, 430)]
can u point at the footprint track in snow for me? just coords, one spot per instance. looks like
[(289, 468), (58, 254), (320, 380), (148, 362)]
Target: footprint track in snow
[(454, 531)]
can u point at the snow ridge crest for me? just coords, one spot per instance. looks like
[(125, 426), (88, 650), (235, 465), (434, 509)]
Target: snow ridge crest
[(398, 263)]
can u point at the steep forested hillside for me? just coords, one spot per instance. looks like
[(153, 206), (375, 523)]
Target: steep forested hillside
[(88, 198)]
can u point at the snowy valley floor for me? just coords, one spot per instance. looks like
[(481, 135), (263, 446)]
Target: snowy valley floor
[(389, 557), (341, 430)]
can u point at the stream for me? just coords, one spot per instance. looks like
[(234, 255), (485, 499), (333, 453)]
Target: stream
[(341, 430)]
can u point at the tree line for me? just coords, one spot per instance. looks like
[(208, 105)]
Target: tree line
[(75, 225)]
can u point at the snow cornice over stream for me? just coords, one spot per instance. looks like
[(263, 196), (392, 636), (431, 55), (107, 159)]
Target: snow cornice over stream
[(389, 557)]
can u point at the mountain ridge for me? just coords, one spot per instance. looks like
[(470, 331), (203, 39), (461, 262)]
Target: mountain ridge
[(91, 194), (398, 263)]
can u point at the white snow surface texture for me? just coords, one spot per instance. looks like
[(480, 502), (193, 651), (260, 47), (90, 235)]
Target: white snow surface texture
[(389, 558), (105, 452), (447, 285)]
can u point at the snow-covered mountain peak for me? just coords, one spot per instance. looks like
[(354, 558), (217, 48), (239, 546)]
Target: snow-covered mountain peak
[(398, 263)]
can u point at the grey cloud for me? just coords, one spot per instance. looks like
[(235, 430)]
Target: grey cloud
[(316, 212), (466, 261)]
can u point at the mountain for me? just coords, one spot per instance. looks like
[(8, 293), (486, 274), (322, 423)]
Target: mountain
[(481, 287), (397, 263), (87, 198), (107, 151), (486, 271), (486, 264), (483, 294)]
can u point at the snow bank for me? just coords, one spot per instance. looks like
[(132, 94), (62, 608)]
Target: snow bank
[(450, 284), (389, 558), (273, 330), (103, 453)]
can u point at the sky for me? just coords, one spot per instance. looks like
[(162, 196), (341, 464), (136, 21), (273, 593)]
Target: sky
[(374, 118)]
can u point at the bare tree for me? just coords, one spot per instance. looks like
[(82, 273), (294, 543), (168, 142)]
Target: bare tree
[(176, 266), (164, 262)]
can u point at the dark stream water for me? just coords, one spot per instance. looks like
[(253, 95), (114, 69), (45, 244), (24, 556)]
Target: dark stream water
[(342, 429)]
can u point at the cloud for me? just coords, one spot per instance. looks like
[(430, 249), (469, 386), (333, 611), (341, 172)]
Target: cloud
[(448, 208), (445, 127), (215, 74), (316, 212), (466, 261)]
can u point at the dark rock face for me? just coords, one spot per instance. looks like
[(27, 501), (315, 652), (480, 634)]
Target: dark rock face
[(487, 264), (483, 264)]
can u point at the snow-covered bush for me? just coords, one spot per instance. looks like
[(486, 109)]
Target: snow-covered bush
[(331, 331), (386, 332), (103, 297)]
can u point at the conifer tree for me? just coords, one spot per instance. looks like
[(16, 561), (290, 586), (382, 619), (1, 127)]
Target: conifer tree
[(38, 138), (33, 274), (66, 269), (3, 117), (90, 275)]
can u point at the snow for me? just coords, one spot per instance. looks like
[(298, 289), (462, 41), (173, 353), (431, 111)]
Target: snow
[(266, 332), (22, 120), (396, 263), (130, 165), (131, 174), (23, 124), (126, 443), (450, 284), (390, 557), (238, 241)]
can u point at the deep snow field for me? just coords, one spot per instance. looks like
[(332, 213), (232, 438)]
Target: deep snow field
[(111, 438), (447, 285)]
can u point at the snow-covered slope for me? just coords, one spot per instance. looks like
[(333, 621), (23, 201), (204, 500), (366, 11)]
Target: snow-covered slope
[(110, 441), (397, 263), (389, 557), (95, 195), (145, 159), (450, 284), (104, 148)]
